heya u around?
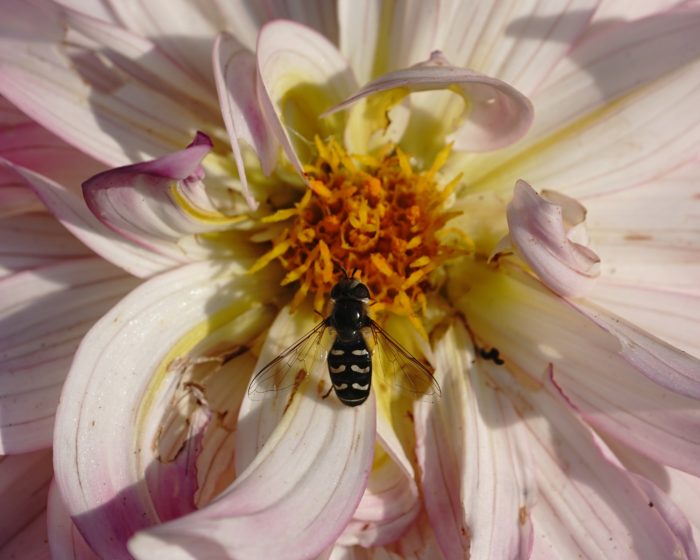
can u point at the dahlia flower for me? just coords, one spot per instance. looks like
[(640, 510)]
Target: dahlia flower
[(182, 187)]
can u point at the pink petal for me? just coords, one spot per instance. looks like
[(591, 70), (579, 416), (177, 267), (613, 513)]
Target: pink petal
[(236, 82), (301, 73), (137, 200), (611, 510), (101, 452), (72, 212), (477, 477), (24, 487), (499, 114), (46, 311), (72, 93), (659, 361), (539, 233), (533, 328), (30, 543)]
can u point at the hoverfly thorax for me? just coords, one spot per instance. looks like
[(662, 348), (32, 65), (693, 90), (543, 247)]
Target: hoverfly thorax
[(349, 357)]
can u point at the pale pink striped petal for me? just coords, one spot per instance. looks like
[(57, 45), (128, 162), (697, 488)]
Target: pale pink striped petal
[(36, 239), (236, 82), (540, 232), (15, 196), (498, 114), (533, 328), (659, 361), (611, 512), (519, 42), (24, 487), (681, 487), (144, 61), (45, 311), (29, 145), (301, 74), (72, 212), (104, 445), (477, 476), (69, 90), (621, 106)]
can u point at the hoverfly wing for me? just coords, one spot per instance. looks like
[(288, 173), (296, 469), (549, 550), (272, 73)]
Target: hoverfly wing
[(399, 367), (290, 366)]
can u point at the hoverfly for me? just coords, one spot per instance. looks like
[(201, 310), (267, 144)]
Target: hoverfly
[(354, 339)]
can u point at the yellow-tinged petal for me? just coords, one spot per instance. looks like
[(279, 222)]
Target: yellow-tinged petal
[(277, 251)]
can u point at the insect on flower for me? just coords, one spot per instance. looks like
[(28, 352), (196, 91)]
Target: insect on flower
[(354, 339)]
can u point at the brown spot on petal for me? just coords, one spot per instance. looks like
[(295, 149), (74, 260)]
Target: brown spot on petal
[(523, 515), (637, 237)]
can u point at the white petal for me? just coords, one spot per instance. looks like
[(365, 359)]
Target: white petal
[(621, 113), (46, 311), (104, 445), (65, 540), (325, 452), (301, 75), (532, 328), (477, 477), (359, 22), (519, 42)]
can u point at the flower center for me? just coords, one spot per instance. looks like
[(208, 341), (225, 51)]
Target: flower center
[(372, 214)]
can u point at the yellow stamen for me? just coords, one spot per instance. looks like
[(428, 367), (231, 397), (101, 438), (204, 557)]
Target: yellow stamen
[(374, 213)]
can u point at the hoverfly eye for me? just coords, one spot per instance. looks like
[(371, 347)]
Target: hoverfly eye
[(360, 292)]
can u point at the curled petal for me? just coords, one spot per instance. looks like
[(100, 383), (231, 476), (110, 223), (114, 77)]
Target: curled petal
[(236, 82), (301, 73), (480, 477), (151, 203), (64, 538), (104, 445), (74, 215), (325, 452), (538, 231), (498, 114)]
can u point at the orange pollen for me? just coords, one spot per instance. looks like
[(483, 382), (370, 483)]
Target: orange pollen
[(373, 214)]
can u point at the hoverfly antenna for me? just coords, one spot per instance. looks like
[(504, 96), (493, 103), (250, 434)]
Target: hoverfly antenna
[(354, 271)]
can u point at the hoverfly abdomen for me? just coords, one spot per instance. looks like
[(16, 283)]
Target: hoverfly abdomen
[(350, 369)]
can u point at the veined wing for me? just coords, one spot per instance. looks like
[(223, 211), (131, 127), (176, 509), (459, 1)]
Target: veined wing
[(399, 368), (293, 364)]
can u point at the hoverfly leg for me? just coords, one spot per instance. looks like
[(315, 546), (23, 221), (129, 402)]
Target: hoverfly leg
[(327, 393)]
